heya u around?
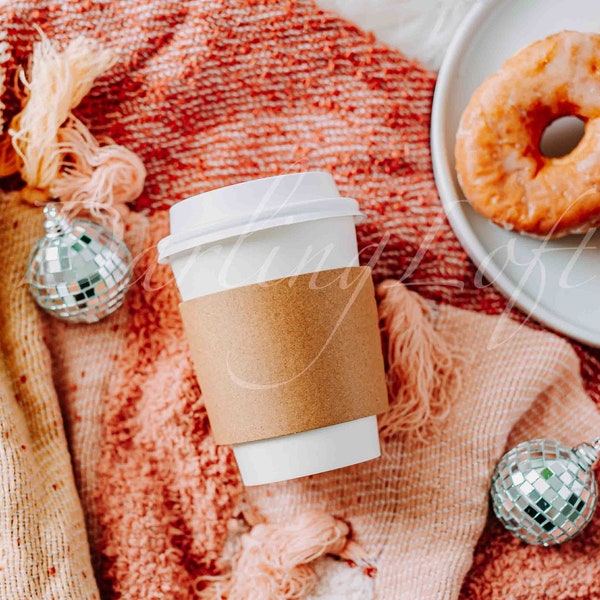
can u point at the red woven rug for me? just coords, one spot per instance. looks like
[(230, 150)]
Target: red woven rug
[(212, 93)]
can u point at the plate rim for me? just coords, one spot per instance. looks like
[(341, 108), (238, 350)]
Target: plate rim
[(451, 202)]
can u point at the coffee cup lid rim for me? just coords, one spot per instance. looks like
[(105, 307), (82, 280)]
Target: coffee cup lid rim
[(239, 224), (248, 184)]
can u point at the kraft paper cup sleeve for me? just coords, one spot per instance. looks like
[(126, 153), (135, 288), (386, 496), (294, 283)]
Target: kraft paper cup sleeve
[(288, 355)]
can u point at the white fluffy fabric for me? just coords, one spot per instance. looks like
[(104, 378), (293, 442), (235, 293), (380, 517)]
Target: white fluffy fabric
[(421, 29), (338, 581)]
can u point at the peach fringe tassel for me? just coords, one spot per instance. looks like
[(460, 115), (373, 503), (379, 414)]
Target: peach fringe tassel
[(100, 177), (274, 559), (57, 155), (423, 368)]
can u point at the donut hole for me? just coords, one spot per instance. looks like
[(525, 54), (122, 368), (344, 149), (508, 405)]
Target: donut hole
[(562, 136)]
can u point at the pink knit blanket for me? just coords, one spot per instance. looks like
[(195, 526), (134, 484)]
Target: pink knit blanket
[(212, 93)]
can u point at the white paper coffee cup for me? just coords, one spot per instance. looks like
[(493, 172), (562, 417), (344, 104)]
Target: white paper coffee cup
[(258, 231)]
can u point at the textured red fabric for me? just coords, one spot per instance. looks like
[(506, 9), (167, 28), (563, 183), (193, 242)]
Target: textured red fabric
[(212, 93)]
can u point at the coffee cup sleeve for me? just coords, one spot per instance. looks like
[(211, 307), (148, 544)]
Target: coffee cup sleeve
[(288, 355)]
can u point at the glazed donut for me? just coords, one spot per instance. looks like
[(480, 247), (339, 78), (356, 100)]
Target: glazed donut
[(500, 167)]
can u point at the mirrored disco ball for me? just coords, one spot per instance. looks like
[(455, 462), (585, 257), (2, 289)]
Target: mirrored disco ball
[(78, 271), (545, 492)]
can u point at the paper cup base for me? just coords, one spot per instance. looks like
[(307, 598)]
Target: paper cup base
[(308, 452)]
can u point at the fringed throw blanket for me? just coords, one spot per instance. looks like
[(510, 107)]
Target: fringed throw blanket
[(111, 483)]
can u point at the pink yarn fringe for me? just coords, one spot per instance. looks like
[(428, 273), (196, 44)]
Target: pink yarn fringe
[(100, 178), (423, 368), (54, 151), (274, 559)]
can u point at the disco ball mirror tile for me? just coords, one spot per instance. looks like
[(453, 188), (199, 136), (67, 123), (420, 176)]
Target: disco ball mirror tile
[(544, 492), (79, 272)]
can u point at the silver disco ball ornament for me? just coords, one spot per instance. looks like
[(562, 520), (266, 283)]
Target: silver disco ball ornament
[(545, 492), (78, 271)]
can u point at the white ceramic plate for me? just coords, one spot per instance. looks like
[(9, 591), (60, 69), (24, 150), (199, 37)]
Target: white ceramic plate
[(555, 282)]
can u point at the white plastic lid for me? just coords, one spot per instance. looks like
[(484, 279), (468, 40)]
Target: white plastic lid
[(253, 206)]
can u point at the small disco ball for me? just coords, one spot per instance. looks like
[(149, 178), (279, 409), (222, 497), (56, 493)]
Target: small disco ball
[(545, 492), (78, 271)]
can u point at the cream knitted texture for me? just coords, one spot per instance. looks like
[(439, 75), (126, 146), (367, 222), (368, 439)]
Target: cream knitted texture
[(419, 509), (43, 546)]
